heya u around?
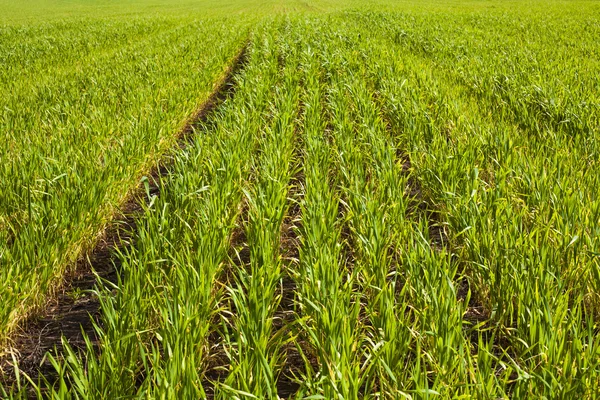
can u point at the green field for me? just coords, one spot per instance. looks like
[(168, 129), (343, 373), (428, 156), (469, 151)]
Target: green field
[(391, 199)]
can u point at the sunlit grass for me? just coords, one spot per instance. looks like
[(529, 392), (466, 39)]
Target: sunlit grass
[(441, 162)]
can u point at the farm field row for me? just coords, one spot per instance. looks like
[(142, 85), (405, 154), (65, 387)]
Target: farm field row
[(389, 204)]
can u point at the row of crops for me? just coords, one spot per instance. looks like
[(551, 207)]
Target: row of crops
[(388, 204)]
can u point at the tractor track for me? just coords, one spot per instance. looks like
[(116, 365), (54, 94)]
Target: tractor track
[(71, 315)]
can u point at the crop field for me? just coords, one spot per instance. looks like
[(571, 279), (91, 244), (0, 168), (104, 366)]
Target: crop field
[(321, 199)]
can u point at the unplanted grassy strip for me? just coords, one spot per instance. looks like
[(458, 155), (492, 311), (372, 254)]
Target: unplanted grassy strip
[(71, 316)]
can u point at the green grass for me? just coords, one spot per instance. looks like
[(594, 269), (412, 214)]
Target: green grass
[(398, 200), (77, 140)]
